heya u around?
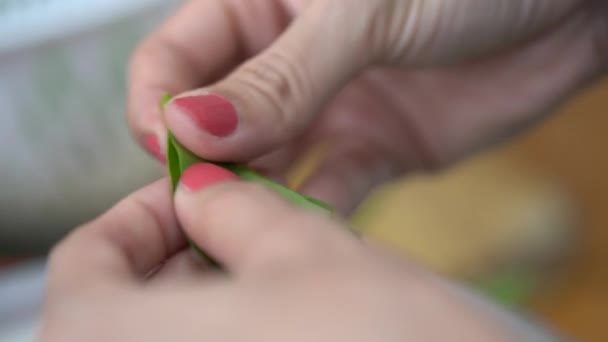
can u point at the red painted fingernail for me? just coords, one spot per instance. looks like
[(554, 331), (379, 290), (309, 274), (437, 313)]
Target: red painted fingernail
[(202, 175), (211, 113), (153, 146)]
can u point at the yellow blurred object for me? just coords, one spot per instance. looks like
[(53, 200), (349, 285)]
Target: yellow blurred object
[(305, 167), (478, 216)]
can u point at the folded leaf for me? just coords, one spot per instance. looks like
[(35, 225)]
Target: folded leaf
[(179, 159)]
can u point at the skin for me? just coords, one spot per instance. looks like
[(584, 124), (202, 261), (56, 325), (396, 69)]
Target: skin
[(291, 275), (408, 86)]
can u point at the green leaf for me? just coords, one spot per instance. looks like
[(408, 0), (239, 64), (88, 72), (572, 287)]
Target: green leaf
[(296, 198), (179, 159), (510, 287), (164, 100)]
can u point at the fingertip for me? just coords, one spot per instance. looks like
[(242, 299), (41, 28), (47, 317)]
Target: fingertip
[(202, 175), (192, 194), (145, 121), (155, 146), (209, 125), (210, 113)]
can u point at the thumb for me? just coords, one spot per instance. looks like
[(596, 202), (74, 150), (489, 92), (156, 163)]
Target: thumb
[(273, 97), (246, 227)]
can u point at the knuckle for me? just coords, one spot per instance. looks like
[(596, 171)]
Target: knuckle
[(279, 83), (384, 26), (136, 209)]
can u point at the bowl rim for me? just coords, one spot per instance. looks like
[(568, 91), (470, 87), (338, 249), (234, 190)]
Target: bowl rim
[(45, 21)]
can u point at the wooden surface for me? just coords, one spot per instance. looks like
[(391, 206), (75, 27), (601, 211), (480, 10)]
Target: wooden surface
[(574, 147), (471, 219)]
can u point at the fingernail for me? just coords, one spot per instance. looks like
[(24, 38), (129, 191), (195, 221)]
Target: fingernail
[(153, 146), (211, 113), (202, 175)]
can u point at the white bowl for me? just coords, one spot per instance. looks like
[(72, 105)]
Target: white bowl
[(65, 151)]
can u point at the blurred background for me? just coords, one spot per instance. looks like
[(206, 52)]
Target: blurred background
[(524, 223)]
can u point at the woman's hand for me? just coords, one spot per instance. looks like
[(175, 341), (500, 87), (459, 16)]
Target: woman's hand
[(388, 86), (291, 275)]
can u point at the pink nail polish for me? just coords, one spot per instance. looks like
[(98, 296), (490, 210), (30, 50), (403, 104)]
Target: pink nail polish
[(202, 175), (211, 113), (152, 144)]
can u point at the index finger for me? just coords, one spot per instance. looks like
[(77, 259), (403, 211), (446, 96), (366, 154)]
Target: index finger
[(126, 243), (193, 47)]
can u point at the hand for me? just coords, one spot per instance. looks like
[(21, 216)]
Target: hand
[(389, 86), (291, 275), (407, 85)]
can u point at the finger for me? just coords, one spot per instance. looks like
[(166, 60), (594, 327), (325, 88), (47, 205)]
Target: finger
[(193, 47), (347, 175), (274, 97), (125, 243), (245, 226)]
